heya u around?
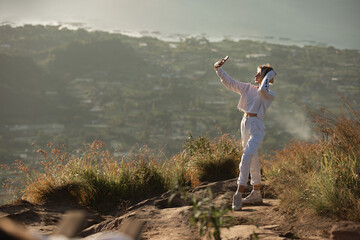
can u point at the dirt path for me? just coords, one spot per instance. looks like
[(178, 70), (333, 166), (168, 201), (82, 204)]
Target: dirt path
[(164, 222), (264, 221)]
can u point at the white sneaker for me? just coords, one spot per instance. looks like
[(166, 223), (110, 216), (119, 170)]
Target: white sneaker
[(237, 202), (253, 198)]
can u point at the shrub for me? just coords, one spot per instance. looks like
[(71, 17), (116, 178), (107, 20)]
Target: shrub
[(335, 189), (94, 177), (325, 175), (204, 160)]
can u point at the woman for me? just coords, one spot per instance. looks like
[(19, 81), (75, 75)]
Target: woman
[(254, 102)]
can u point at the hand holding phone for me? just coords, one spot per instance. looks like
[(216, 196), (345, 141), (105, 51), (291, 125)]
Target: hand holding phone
[(220, 62)]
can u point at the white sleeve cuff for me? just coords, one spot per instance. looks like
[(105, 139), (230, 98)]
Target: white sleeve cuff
[(270, 75)]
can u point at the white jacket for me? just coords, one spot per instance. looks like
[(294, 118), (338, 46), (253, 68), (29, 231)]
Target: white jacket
[(253, 99)]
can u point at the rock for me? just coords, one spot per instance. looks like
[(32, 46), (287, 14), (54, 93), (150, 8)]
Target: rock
[(170, 202), (107, 225), (345, 231)]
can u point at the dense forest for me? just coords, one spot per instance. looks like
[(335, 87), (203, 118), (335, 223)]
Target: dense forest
[(74, 86)]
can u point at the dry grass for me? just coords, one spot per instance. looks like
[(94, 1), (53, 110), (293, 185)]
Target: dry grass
[(95, 178), (325, 175), (204, 160)]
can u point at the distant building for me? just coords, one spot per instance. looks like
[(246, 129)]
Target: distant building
[(5, 45), (255, 55)]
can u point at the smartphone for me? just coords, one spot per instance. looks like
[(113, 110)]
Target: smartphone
[(226, 58)]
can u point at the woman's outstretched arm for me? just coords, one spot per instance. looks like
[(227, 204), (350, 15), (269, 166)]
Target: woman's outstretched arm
[(228, 81)]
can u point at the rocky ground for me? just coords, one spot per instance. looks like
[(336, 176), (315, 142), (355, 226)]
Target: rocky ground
[(163, 221)]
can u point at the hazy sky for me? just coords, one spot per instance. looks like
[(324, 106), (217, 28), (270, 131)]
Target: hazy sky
[(334, 22)]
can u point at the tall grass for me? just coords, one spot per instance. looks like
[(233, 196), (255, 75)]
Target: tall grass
[(203, 160), (325, 175), (96, 179)]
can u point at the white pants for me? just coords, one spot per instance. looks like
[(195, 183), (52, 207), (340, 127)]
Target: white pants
[(252, 134)]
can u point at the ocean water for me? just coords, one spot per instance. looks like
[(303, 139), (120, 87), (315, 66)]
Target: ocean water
[(315, 22)]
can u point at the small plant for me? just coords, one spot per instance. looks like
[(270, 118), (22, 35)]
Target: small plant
[(205, 214)]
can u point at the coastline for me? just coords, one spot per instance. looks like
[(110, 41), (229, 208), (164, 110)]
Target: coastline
[(178, 37)]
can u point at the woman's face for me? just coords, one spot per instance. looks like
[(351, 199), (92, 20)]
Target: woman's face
[(258, 77)]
